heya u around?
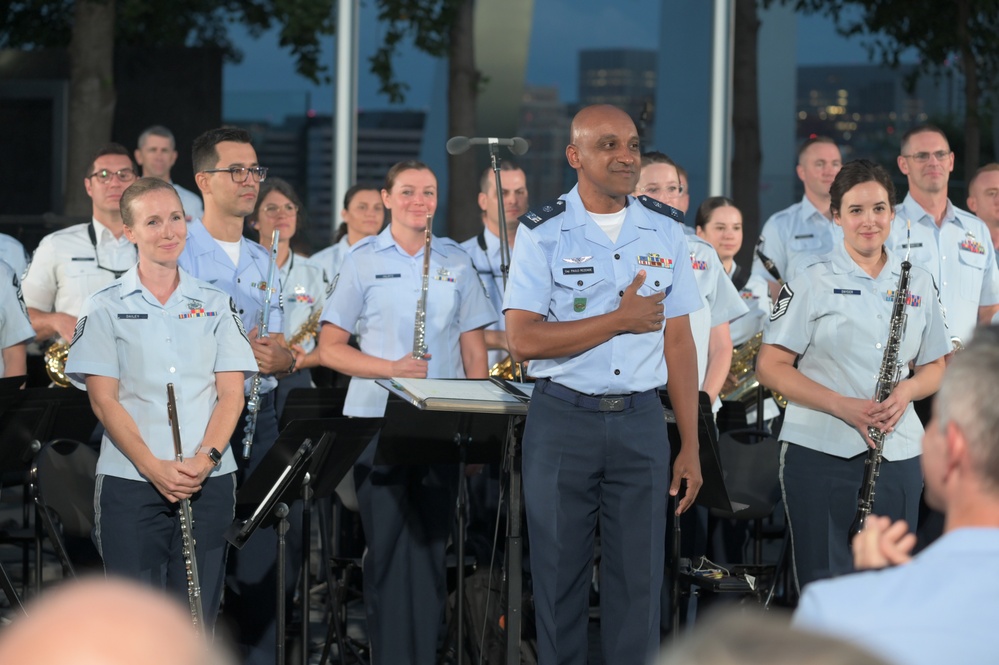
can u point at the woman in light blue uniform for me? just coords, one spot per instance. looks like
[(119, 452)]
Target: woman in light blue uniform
[(833, 319), (363, 215), (406, 510), (154, 326), (15, 327), (303, 282)]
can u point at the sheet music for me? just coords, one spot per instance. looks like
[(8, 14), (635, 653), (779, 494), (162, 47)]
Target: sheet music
[(483, 390)]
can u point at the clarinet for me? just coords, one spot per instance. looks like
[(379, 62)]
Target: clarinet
[(186, 527), (769, 265), (253, 401), (888, 377), (420, 326)]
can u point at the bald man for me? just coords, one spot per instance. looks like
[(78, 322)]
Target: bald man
[(599, 292), (106, 622)]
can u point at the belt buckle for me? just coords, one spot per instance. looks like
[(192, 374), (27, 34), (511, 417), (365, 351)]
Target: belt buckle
[(612, 403)]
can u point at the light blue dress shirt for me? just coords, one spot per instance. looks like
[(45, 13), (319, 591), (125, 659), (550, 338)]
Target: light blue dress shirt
[(792, 236), (15, 327), (959, 255), (836, 317), (304, 287), (489, 266), (566, 269), (246, 284), (938, 608), (375, 297), (329, 259), (125, 333)]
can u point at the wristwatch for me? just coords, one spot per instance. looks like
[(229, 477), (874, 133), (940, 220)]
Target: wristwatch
[(214, 455)]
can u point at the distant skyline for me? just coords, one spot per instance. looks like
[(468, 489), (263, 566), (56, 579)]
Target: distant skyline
[(552, 60)]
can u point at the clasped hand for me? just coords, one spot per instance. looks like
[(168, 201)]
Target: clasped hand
[(883, 416)]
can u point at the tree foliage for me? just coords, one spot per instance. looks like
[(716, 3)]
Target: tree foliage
[(955, 32), (35, 24)]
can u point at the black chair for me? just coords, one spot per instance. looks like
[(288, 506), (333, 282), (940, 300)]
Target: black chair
[(65, 477)]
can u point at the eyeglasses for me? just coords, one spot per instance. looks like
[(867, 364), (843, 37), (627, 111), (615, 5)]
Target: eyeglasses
[(239, 174), (104, 176), (923, 157), (274, 210), (669, 191)]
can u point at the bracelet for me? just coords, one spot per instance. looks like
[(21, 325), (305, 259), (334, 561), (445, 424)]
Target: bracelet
[(294, 363)]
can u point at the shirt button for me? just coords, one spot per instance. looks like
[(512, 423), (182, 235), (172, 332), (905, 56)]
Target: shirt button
[(173, 370), (617, 256), (620, 294), (878, 345), (238, 281), (657, 282), (240, 311), (579, 283), (617, 372)]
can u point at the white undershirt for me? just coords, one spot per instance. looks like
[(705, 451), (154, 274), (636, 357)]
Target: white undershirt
[(231, 249), (610, 223)]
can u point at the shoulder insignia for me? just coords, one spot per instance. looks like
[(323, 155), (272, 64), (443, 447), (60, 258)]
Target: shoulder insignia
[(78, 331), (783, 300), (534, 218), (661, 208)]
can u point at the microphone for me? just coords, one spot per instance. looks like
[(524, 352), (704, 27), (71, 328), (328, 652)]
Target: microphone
[(460, 144)]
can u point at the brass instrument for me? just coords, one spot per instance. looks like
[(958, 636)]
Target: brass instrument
[(504, 369), (55, 362), (253, 400), (186, 527), (308, 330), (744, 370), (420, 325), (888, 377)]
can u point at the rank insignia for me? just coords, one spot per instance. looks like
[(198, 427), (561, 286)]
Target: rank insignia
[(661, 208), (653, 260), (532, 219), (783, 300), (579, 304)]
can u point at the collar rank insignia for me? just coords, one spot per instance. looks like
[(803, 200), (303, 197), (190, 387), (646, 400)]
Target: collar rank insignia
[(534, 218), (443, 275), (661, 208), (653, 260)]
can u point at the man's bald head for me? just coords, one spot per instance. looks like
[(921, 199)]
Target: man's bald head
[(105, 622), (605, 154), (595, 115)]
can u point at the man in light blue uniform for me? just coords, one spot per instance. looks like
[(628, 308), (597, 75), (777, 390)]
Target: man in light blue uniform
[(15, 327), (600, 289), (955, 246), (12, 253), (937, 607), (406, 509), (229, 176), (806, 228), (484, 248)]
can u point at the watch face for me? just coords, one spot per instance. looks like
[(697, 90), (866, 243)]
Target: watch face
[(215, 456)]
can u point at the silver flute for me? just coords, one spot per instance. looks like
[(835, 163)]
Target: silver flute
[(186, 526), (420, 326), (253, 401)]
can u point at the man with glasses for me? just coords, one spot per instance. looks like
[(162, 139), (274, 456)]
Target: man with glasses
[(229, 177), (156, 155), (72, 263), (955, 246), (793, 235), (983, 198)]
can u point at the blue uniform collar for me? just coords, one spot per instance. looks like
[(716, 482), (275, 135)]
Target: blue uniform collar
[(918, 215), (808, 211), (384, 241), (843, 264), (130, 285)]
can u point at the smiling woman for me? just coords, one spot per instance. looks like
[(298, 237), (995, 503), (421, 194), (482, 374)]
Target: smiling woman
[(133, 339)]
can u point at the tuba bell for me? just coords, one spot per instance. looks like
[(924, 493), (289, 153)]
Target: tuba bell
[(55, 362)]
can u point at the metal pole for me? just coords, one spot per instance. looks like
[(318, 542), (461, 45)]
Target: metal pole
[(345, 106), (720, 92)]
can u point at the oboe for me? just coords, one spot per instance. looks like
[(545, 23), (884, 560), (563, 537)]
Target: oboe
[(888, 377), (420, 326), (253, 401), (186, 526)]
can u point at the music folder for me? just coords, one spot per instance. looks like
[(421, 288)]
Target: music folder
[(462, 395)]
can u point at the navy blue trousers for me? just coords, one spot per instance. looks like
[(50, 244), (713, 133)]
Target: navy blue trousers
[(137, 532), (820, 497), (581, 466)]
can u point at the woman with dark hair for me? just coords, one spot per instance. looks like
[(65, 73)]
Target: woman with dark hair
[(303, 282), (406, 510), (363, 215), (822, 349)]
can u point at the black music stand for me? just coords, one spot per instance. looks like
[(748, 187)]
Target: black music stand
[(463, 434), (266, 496), (712, 494), (9, 394)]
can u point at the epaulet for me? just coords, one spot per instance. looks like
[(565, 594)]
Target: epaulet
[(534, 219), (661, 208)]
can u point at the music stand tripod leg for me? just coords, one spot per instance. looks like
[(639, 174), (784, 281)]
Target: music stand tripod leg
[(8, 589), (514, 549)]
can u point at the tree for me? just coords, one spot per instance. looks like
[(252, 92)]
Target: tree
[(746, 152), (94, 27), (960, 31), (440, 28)]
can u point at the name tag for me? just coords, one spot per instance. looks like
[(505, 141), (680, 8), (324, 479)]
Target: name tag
[(389, 276), (806, 235), (133, 316), (82, 258), (912, 245), (578, 271), (847, 292)]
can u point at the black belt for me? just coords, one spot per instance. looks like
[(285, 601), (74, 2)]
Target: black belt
[(603, 403)]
